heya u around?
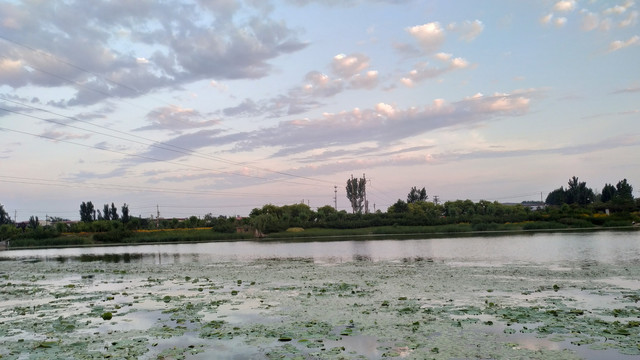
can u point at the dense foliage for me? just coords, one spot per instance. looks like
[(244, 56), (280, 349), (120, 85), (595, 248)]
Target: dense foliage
[(577, 206)]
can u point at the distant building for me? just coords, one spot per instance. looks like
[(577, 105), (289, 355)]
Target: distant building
[(534, 205)]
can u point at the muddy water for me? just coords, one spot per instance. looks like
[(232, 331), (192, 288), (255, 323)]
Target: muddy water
[(542, 296)]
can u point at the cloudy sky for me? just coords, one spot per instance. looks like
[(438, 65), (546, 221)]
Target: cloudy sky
[(221, 106)]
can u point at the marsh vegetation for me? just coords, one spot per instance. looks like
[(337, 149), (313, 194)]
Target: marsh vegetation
[(416, 299)]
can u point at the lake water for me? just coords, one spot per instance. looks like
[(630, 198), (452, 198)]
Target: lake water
[(563, 295), (602, 246)]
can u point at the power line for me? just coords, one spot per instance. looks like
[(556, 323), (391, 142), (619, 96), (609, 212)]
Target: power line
[(154, 143), (61, 183), (130, 154), (68, 64)]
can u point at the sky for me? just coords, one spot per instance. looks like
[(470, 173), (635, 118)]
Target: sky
[(221, 106)]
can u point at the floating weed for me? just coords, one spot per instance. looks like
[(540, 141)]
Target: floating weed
[(47, 344), (406, 311)]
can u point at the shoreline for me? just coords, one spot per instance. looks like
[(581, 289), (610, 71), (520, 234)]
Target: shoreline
[(301, 237)]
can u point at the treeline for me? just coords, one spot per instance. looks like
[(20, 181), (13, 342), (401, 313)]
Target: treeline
[(481, 216), (106, 225), (577, 192), (575, 206)]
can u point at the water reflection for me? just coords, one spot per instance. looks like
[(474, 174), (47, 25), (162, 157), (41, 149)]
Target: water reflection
[(587, 247), (108, 258)]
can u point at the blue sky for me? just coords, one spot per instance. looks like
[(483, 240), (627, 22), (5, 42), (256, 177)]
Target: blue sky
[(222, 106)]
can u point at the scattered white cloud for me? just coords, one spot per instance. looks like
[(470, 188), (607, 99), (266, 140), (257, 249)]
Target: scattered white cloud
[(590, 21), (349, 65), (468, 30), (459, 63), (560, 22), (631, 89), (318, 84), (630, 20), (384, 124), (444, 57), (565, 6), (176, 118), (348, 72), (429, 36), (59, 135), (12, 72), (230, 47), (247, 108), (369, 80), (423, 71), (616, 10), (621, 44), (546, 19)]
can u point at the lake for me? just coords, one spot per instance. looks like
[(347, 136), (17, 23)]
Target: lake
[(565, 295), (609, 247)]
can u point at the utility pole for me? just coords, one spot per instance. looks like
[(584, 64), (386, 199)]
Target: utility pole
[(157, 216), (366, 203), (436, 199), (335, 197)]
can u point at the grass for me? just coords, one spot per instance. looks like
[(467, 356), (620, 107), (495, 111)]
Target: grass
[(207, 235), (66, 240), (179, 235)]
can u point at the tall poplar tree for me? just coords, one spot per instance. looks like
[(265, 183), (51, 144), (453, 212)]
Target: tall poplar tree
[(356, 189)]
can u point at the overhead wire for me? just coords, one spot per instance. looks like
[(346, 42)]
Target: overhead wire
[(129, 138), (154, 143), (122, 152), (99, 185)]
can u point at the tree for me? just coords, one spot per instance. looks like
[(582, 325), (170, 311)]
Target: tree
[(125, 213), (106, 212), (325, 212), (556, 197), (416, 195), (4, 217), (399, 207), (113, 212), (608, 193), (624, 191), (578, 192), (34, 222), (266, 223), (7, 231), (87, 213), (356, 189)]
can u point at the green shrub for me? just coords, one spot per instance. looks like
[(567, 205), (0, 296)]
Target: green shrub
[(117, 236), (576, 223), (485, 227), (543, 225), (51, 242), (616, 223)]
